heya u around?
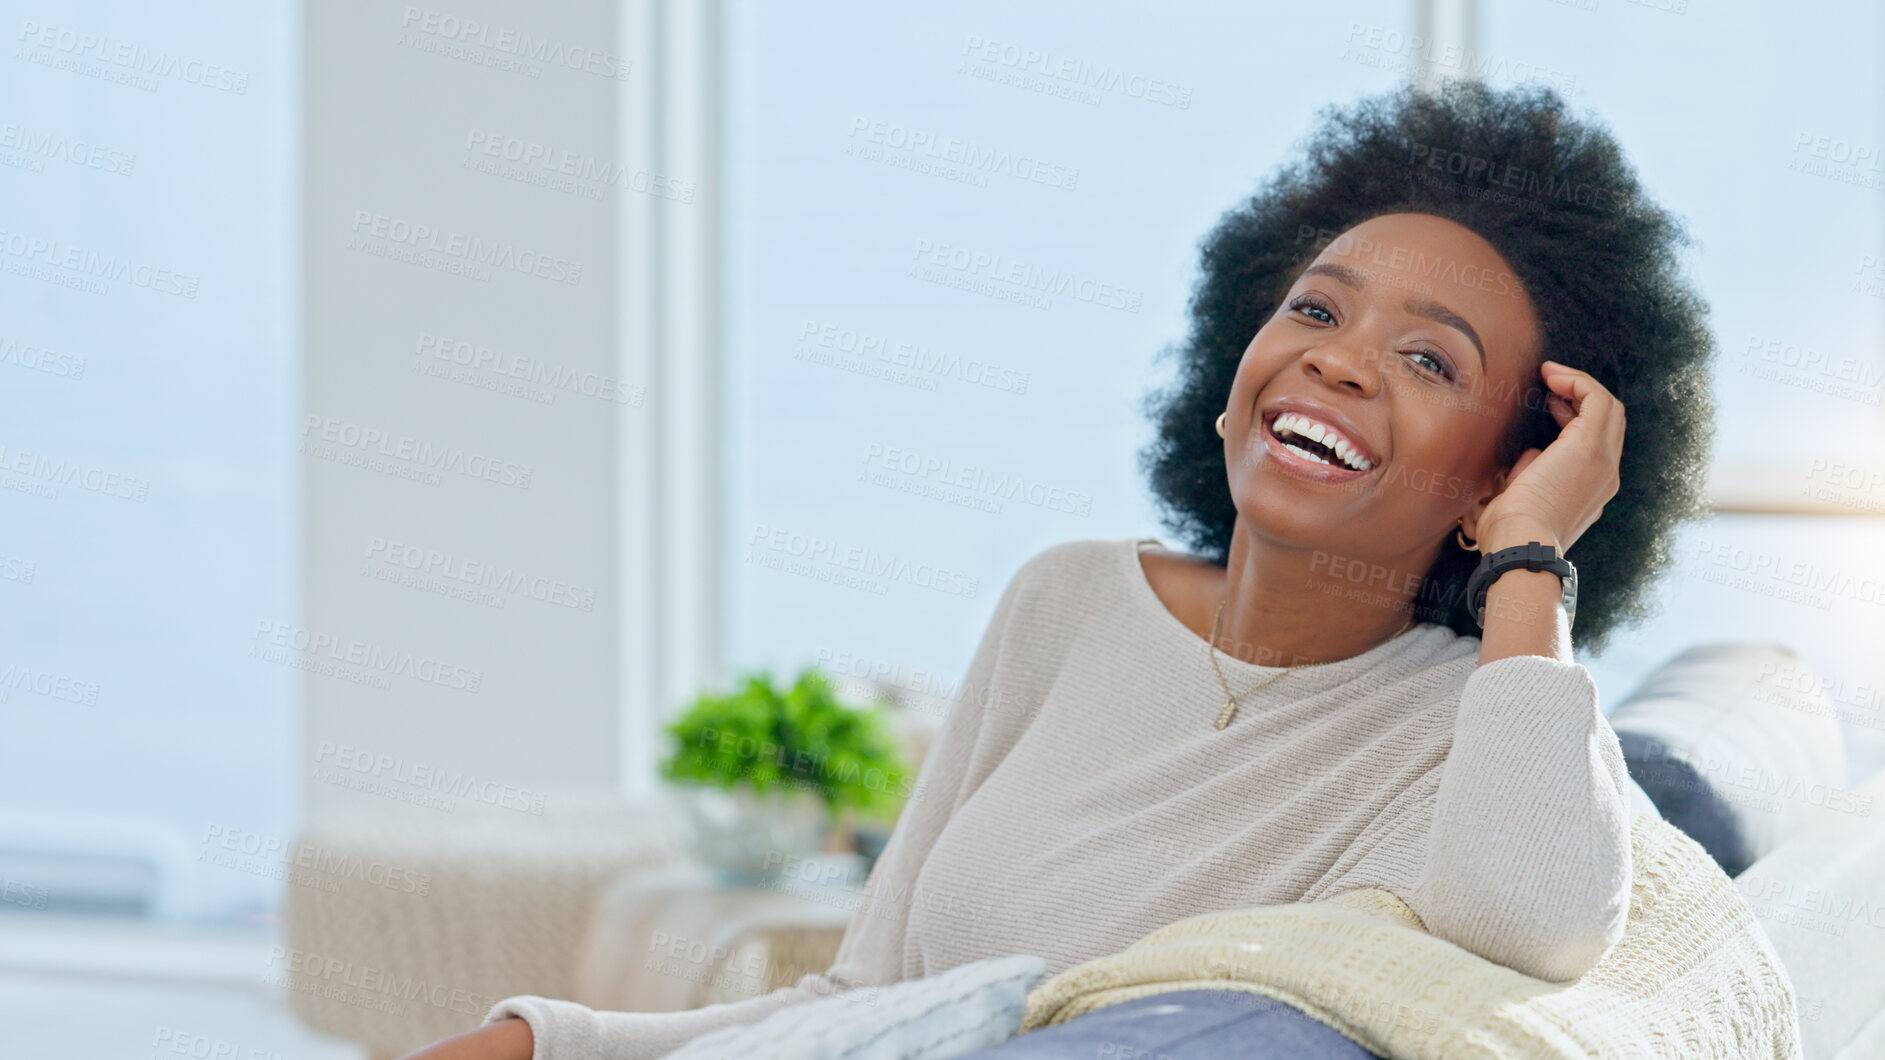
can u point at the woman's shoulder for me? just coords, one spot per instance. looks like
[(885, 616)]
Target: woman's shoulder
[(1077, 563), (1051, 584), (1123, 571)]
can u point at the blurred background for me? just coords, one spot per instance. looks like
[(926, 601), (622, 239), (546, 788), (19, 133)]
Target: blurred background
[(410, 411)]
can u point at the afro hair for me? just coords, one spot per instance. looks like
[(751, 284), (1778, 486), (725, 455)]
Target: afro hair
[(1556, 198)]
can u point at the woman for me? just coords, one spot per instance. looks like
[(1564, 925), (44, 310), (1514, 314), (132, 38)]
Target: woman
[(1408, 352)]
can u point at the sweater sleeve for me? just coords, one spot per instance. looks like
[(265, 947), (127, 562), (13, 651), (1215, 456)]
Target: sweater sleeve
[(871, 953), (1528, 851)]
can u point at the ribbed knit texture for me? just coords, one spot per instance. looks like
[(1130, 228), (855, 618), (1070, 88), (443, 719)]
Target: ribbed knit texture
[(1080, 796), (1693, 976)]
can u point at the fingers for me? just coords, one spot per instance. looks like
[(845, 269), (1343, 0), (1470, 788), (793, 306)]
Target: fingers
[(1587, 397), (1560, 408), (1596, 406)]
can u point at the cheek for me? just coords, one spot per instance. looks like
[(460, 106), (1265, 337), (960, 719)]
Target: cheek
[(1440, 457)]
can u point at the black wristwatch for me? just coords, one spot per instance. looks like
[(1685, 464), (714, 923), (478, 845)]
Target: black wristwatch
[(1530, 556)]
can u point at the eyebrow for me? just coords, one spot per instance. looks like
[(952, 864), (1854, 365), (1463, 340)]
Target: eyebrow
[(1420, 307)]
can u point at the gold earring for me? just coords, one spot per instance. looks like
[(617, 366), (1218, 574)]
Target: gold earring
[(1220, 424), (1459, 534)]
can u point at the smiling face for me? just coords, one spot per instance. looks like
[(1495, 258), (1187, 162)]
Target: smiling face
[(1409, 337)]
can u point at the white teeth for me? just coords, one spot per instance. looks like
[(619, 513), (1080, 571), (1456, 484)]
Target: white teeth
[(1290, 423), (1307, 455)]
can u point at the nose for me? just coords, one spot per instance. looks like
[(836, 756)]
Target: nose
[(1345, 366)]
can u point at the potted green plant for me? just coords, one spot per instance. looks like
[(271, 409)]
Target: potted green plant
[(764, 772)]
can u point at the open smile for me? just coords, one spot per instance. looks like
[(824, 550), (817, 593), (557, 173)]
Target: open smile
[(1304, 458)]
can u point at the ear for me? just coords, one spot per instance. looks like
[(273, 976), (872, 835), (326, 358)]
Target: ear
[(1499, 482)]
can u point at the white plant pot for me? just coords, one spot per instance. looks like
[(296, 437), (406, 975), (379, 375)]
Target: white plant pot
[(746, 835)]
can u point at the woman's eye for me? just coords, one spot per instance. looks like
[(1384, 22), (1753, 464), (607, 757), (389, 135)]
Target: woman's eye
[(1310, 305), (1438, 365)]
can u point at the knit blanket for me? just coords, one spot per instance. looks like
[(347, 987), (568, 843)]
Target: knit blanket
[(1693, 975)]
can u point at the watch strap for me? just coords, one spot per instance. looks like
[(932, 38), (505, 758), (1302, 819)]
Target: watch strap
[(1532, 555)]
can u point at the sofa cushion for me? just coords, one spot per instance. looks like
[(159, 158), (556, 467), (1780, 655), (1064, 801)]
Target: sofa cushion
[(1732, 755), (1821, 900)]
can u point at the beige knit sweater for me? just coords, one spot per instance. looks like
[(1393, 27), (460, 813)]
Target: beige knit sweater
[(1080, 796)]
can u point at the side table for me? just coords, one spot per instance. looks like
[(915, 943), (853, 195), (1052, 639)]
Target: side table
[(680, 936)]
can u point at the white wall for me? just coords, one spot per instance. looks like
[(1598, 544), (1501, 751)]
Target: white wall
[(401, 103)]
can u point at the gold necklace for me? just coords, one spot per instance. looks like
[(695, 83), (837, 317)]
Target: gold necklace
[(1230, 701)]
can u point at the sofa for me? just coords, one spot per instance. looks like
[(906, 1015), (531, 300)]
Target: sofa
[(1726, 740)]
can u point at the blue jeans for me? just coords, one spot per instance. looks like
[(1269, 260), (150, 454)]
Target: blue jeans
[(1184, 1025)]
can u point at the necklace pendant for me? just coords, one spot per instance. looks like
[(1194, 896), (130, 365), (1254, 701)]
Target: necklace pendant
[(1224, 716)]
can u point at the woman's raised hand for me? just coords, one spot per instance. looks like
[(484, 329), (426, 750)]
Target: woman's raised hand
[(1561, 489)]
